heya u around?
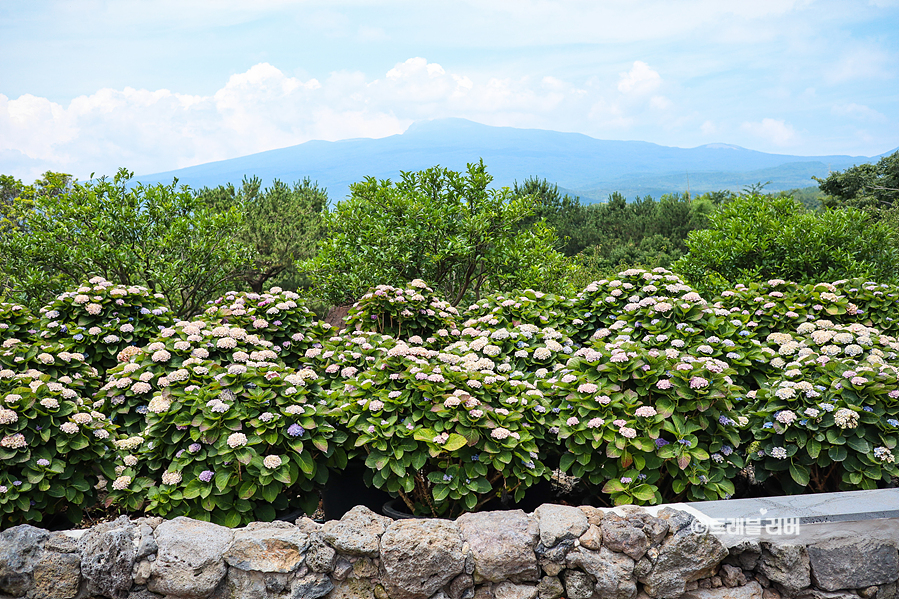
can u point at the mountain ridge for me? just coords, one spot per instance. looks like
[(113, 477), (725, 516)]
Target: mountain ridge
[(591, 167)]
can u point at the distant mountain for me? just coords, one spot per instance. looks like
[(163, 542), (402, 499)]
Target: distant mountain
[(589, 167)]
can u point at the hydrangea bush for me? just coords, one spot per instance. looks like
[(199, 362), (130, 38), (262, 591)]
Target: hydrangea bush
[(277, 316), (638, 386), (16, 321), (646, 425), (829, 419), (445, 432), (54, 447), (234, 445), (179, 354), (100, 319), (397, 311)]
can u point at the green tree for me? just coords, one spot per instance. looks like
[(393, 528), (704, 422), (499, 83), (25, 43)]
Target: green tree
[(282, 224), (563, 213), (439, 225), (159, 236), (762, 237), (873, 186)]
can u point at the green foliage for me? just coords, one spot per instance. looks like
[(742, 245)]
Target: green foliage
[(643, 233), (874, 186), (758, 237), (565, 214), (826, 421), (438, 225), (53, 447), (98, 320), (394, 311), (157, 236), (282, 224), (232, 445)]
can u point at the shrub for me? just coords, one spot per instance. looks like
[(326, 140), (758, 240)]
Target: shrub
[(100, 319), (54, 448), (396, 311), (828, 418), (252, 441)]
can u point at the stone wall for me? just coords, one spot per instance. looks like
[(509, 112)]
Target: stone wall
[(558, 551)]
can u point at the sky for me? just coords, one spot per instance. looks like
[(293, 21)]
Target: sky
[(90, 86)]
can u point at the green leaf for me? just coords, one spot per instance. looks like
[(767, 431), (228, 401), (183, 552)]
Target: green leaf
[(800, 474), (247, 490), (613, 486), (231, 519), (222, 478), (455, 442), (858, 444), (644, 493)]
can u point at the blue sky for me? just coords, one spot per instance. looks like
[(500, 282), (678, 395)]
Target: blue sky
[(87, 86)]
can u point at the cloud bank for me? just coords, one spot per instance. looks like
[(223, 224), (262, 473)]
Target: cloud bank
[(263, 108)]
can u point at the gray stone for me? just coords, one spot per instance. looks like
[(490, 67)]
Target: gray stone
[(351, 588), (56, 576), (786, 565), (655, 529), (20, 551), (320, 556), (621, 535), (853, 563), (642, 567), (311, 586), (556, 553), (484, 591), (143, 594), (439, 595), (550, 587), (594, 514), (108, 553), (684, 556), (308, 525), (61, 543), (612, 572), (357, 532), (418, 557), (770, 594), (592, 539), (747, 554), (267, 547), (732, 576), (677, 519), (141, 573), (501, 544), (887, 591), (814, 593), (342, 568), (242, 584), (577, 584), (510, 590), (460, 585), (753, 590), (189, 563), (560, 522), (365, 568), (147, 545), (551, 568)]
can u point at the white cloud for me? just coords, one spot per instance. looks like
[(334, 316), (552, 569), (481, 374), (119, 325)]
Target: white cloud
[(640, 79), (262, 109), (778, 132), (660, 102), (708, 128), (858, 111)]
